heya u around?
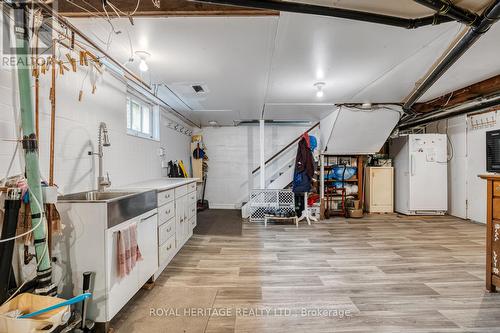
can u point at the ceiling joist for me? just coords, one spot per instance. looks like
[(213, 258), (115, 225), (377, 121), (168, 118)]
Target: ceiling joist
[(90, 8), (460, 96)]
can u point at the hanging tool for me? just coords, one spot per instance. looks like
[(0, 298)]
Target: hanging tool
[(202, 204)]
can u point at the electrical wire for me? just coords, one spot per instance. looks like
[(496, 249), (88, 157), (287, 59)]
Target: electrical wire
[(114, 9)]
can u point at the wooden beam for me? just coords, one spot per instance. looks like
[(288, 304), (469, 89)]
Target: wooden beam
[(73, 8), (483, 88)]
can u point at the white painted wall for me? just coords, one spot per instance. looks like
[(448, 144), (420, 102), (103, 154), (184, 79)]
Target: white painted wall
[(129, 159), (469, 160), (234, 153), (76, 133)]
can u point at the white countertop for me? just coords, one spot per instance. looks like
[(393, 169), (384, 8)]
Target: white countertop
[(159, 184)]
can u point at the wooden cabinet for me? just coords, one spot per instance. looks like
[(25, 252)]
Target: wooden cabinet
[(380, 189), (492, 231)]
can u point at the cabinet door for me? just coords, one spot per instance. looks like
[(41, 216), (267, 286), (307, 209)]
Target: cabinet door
[(187, 225), (495, 248), (381, 185), (120, 289), (147, 239), (179, 221)]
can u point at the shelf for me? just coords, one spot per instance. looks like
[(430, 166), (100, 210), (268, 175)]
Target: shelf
[(346, 180)]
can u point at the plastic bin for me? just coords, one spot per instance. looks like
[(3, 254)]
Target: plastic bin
[(28, 303)]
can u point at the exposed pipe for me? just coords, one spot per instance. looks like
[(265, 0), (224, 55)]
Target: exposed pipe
[(30, 146), (489, 17), (302, 8), (446, 8), (71, 27), (476, 105)]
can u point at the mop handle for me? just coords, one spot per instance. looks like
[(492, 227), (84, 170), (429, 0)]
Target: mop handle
[(76, 299)]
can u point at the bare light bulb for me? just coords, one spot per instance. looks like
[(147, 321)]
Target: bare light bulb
[(143, 66), (319, 85)]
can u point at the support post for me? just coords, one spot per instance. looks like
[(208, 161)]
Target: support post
[(262, 154), (322, 185)]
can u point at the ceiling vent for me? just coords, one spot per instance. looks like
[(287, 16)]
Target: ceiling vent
[(199, 89)]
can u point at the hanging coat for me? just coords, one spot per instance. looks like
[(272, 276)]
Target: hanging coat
[(304, 167), (304, 160)]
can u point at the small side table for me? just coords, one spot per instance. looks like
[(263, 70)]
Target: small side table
[(306, 213)]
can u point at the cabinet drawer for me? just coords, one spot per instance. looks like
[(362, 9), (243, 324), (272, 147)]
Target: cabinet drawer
[(192, 222), (165, 213), (192, 187), (496, 208), (191, 210), (167, 250), (192, 198), (165, 196), (166, 231), (496, 189), (180, 191)]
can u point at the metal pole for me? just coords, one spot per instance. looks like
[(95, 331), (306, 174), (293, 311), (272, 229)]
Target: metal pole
[(262, 155)]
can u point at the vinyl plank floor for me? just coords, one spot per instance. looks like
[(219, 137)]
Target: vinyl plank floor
[(383, 273)]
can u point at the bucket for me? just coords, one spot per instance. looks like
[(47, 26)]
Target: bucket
[(28, 303)]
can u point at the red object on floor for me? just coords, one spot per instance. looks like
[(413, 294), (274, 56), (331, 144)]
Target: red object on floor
[(312, 199)]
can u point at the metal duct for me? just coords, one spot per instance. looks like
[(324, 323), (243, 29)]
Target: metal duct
[(489, 17), (302, 8), (446, 8)]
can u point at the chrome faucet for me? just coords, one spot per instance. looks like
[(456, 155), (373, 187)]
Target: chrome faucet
[(103, 141)]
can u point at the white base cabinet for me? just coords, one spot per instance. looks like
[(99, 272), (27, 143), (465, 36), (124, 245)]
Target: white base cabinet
[(176, 221), (87, 244), (122, 289)]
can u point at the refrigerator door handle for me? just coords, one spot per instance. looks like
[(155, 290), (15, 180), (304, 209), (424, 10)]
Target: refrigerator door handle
[(412, 165)]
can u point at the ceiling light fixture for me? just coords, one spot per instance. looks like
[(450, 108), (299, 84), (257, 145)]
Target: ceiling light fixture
[(213, 123), (143, 55), (319, 85)]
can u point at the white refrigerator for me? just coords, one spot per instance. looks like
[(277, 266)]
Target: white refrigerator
[(421, 174)]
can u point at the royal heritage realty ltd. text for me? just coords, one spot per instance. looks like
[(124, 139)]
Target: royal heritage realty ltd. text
[(249, 312)]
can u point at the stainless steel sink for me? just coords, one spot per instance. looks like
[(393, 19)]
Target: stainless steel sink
[(120, 205), (95, 196)]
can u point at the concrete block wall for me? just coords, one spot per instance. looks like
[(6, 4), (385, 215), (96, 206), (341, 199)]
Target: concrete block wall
[(234, 153)]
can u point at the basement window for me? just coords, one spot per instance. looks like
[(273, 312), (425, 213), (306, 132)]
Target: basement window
[(142, 119)]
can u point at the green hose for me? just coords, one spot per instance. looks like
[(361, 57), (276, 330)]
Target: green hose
[(30, 145)]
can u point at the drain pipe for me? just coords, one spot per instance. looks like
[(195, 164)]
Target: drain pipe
[(448, 9), (30, 146), (302, 8), (489, 17)]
